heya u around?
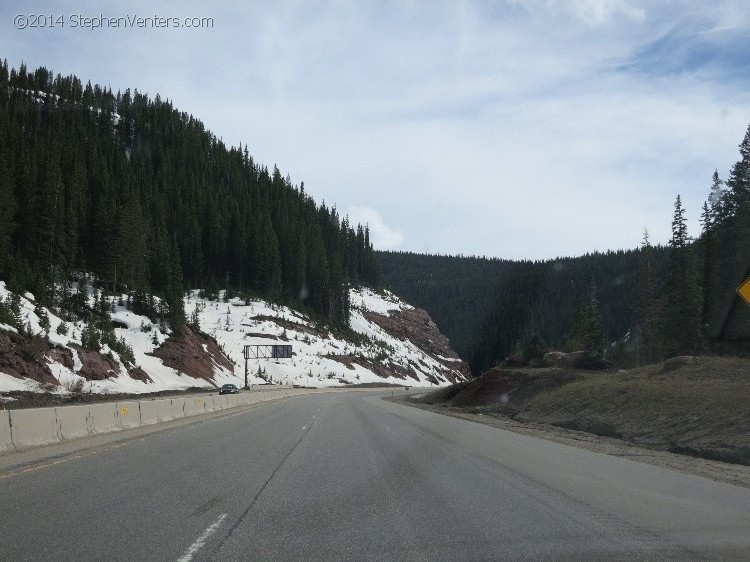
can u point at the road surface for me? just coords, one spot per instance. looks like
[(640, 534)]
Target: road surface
[(350, 476)]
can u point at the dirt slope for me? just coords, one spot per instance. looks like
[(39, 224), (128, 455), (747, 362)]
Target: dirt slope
[(700, 408)]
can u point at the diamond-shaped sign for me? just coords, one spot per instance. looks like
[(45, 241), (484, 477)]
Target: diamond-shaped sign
[(744, 291)]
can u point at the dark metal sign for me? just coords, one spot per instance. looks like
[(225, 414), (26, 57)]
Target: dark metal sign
[(281, 352)]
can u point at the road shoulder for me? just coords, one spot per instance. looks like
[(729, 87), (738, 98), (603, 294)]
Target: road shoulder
[(736, 474)]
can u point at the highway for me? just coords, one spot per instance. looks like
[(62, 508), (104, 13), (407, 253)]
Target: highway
[(349, 476)]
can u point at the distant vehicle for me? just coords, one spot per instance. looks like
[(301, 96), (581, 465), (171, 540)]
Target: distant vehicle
[(229, 389)]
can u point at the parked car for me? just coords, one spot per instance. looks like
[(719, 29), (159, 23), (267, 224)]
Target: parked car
[(229, 389)]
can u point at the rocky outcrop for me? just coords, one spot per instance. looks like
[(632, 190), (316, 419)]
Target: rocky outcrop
[(22, 357), (96, 367), (30, 358), (184, 351), (416, 326)]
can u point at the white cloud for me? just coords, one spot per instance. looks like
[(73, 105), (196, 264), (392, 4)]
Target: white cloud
[(383, 237)]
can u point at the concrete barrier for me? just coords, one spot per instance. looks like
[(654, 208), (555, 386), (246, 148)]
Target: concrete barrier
[(195, 406), (21, 429), (6, 441), (33, 427), (73, 422), (128, 414), (149, 412), (220, 402), (103, 417), (209, 404), (178, 408), (164, 410)]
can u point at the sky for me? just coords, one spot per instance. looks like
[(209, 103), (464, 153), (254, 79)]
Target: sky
[(521, 129)]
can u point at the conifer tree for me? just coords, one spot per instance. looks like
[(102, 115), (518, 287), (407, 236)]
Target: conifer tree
[(683, 302), (647, 337)]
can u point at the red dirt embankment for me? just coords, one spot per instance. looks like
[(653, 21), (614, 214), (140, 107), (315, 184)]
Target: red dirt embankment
[(416, 326), (185, 352)]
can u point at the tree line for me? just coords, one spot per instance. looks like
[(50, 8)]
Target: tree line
[(629, 307), (149, 201)]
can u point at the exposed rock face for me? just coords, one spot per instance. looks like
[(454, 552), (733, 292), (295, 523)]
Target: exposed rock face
[(96, 367), (184, 352), (415, 325), (23, 357)]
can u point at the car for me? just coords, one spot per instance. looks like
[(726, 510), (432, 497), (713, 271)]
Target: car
[(229, 389)]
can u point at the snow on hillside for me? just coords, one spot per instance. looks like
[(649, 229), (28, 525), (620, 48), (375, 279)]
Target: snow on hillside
[(320, 357), (134, 335)]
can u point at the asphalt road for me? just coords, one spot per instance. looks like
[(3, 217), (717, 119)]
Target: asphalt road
[(350, 476)]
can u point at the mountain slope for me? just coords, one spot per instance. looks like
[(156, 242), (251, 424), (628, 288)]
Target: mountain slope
[(489, 306), (389, 341)]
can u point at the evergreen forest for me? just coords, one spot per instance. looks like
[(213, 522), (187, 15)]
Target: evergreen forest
[(142, 196)]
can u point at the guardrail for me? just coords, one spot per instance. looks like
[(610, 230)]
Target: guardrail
[(33, 427)]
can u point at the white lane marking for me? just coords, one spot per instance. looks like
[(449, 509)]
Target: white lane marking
[(200, 541)]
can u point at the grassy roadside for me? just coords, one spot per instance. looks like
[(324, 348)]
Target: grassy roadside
[(700, 409)]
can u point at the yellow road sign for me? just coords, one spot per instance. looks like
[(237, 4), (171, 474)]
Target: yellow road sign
[(744, 291)]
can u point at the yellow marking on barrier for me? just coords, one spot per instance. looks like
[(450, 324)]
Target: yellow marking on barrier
[(124, 410)]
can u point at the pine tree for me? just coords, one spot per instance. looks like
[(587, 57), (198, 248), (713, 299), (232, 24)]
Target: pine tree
[(717, 203), (739, 180), (647, 342), (683, 300), (588, 333)]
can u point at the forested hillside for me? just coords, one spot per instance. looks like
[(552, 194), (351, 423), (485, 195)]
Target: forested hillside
[(631, 306), (457, 291), (488, 307), (143, 196)]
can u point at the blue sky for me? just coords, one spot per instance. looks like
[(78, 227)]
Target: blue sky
[(516, 128)]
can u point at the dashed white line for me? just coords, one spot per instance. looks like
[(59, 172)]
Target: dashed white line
[(200, 541)]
